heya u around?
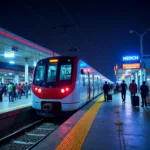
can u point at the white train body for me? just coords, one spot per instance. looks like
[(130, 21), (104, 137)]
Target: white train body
[(73, 84)]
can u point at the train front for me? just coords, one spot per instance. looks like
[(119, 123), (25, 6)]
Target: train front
[(53, 85)]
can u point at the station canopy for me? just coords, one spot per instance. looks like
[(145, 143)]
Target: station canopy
[(13, 52)]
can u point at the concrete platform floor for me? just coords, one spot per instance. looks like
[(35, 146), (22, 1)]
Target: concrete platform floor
[(135, 134), (6, 106), (94, 127)]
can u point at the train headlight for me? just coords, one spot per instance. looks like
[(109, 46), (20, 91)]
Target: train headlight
[(62, 90), (39, 90), (67, 89)]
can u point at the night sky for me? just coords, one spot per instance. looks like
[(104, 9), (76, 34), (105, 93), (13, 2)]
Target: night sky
[(102, 29)]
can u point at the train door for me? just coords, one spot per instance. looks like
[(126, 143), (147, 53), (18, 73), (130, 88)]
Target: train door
[(89, 86), (82, 84), (93, 85)]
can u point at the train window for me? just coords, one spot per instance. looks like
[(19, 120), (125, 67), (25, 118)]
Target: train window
[(82, 71), (65, 72), (83, 80), (51, 76), (39, 76)]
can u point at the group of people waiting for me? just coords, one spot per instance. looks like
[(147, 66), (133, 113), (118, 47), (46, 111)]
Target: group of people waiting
[(14, 91), (133, 90)]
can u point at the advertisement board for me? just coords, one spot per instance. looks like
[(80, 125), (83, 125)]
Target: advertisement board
[(131, 66)]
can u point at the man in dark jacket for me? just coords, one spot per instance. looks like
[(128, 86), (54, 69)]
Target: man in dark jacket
[(123, 91), (105, 89), (144, 93)]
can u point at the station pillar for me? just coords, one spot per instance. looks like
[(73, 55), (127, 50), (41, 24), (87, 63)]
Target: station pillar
[(26, 70), (144, 75), (2, 79), (16, 80), (136, 78)]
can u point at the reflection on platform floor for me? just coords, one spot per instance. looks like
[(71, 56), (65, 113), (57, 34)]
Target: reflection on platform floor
[(6, 106)]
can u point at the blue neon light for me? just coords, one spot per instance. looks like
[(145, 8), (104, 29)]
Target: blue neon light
[(130, 58)]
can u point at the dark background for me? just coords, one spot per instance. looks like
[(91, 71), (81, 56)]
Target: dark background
[(101, 35)]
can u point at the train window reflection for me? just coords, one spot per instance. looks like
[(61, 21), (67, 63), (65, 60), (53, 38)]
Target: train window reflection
[(65, 72), (52, 69), (40, 73)]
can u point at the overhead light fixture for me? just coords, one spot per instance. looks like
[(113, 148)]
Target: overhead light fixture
[(11, 62), (5, 74), (10, 73), (34, 64), (8, 54)]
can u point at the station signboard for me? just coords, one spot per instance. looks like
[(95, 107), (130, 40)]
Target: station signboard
[(131, 66), (131, 59)]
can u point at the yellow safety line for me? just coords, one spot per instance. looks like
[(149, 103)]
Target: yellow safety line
[(15, 107), (75, 138)]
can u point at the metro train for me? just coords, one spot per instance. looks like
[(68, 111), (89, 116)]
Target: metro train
[(63, 84)]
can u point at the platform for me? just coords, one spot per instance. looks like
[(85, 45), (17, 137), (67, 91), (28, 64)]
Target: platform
[(94, 127), (6, 106)]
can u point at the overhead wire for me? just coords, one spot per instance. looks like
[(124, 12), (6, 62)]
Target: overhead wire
[(73, 22), (34, 11)]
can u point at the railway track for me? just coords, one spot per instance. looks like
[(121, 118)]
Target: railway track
[(29, 136)]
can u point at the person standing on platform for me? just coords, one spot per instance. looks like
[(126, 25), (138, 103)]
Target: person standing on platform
[(144, 92), (133, 88), (123, 91), (106, 90), (10, 90), (26, 89), (1, 91), (19, 91)]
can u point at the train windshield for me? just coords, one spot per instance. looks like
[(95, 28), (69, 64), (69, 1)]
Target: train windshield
[(39, 76), (48, 73), (52, 72), (65, 72)]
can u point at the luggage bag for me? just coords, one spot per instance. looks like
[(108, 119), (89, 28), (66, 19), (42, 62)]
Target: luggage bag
[(135, 101), (148, 100)]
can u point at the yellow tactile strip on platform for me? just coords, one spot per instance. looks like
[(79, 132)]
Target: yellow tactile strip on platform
[(15, 107), (75, 138)]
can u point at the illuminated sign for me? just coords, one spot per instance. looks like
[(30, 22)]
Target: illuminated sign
[(53, 60), (131, 66), (130, 58)]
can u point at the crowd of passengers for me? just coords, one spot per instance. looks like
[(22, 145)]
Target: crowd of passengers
[(133, 89), (14, 91)]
